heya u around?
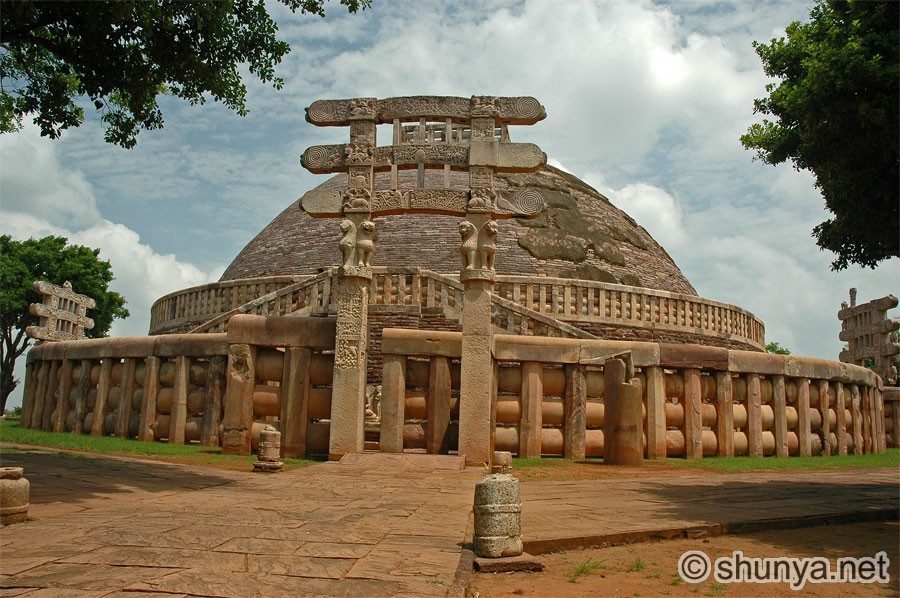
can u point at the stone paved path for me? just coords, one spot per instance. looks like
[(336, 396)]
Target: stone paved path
[(374, 525), (560, 515), (382, 527)]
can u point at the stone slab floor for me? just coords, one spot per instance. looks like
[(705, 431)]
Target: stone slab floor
[(108, 527)]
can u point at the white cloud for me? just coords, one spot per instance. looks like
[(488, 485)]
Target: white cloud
[(34, 181)]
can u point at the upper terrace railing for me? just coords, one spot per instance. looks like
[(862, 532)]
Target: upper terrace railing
[(539, 306)]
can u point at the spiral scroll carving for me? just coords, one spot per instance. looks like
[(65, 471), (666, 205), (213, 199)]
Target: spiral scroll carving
[(528, 201), (316, 157), (321, 110), (528, 107)]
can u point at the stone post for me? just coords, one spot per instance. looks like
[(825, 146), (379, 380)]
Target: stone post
[(178, 417), (803, 424), (693, 415), (240, 384), (84, 387), (826, 421), (725, 414), (498, 516), (575, 416), (46, 421), (656, 412), (212, 410), (62, 403), (15, 492), (437, 440), (123, 413), (102, 395), (531, 420), (148, 400), (295, 402), (779, 409), (754, 416), (476, 433), (354, 277), (841, 425), (393, 398)]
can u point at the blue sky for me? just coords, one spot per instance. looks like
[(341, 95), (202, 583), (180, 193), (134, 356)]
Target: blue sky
[(645, 101)]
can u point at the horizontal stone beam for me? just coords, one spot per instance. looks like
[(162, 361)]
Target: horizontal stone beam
[(335, 113), (883, 327), (46, 288), (282, 331), (400, 341), (521, 202), (881, 304), (503, 157)]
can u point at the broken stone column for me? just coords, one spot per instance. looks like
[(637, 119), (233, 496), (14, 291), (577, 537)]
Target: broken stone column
[(14, 494), (622, 416), (269, 458), (498, 516)]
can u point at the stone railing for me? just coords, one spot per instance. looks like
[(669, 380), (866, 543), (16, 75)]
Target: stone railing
[(183, 310), (587, 302), (215, 389), (553, 306), (698, 401)]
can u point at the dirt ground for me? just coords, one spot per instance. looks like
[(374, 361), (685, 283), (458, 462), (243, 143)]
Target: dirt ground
[(651, 569)]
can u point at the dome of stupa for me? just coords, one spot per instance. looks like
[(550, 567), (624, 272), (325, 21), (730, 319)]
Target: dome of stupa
[(581, 235)]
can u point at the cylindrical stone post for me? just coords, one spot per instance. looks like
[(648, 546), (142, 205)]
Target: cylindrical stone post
[(14, 495), (269, 459), (626, 440), (498, 516)]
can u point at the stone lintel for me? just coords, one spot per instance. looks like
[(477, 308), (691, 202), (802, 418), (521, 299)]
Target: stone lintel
[(741, 362), (523, 110), (190, 345), (598, 351), (282, 331), (401, 341), (680, 355), (46, 288), (882, 327), (881, 304)]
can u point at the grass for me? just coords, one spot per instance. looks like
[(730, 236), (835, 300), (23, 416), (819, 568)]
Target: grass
[(890, 458), (191, 454), (637, 565), (589, 566)]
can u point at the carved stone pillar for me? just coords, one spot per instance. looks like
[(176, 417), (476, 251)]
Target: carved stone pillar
[(354, 277), (476, 413)]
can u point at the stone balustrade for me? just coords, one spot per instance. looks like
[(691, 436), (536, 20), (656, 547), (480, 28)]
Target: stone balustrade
[(214, 389), (523, 305), (222, 389), (550, 391)]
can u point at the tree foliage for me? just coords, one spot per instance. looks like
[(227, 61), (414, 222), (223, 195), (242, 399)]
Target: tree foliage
[(122, 55), (52, 260), (777, 349), (836, 113)]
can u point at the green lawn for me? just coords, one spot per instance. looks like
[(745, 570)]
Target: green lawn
[(890, 458), (10, 431)]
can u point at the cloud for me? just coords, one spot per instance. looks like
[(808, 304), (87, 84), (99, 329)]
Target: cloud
[(34, 181)]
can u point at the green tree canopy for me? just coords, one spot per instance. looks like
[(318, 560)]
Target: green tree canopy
[(52, 260), (121, 55), (836, 113), (777, 349)]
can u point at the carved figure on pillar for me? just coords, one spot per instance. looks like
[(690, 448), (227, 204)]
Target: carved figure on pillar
[(469, 247), (348, 242), (487, 244), (365, 243)]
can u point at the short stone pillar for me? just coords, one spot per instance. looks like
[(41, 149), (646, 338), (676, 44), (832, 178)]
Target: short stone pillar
[(502, 462), (14, 494), (269, 459), (622, 417), (498, 516)]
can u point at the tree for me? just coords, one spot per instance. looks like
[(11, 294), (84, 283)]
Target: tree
[(49, 259), (122, 55), (837, 114), (777, 349)]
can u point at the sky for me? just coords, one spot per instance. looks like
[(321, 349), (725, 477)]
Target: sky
[(646, 101)]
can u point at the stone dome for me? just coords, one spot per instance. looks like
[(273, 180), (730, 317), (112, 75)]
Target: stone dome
[(581, 235)]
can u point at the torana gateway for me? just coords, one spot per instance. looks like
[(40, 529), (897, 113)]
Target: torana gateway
[(451, 292)]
